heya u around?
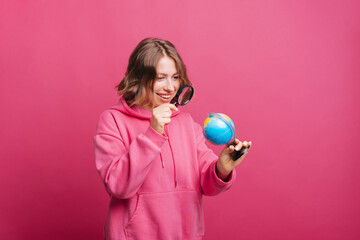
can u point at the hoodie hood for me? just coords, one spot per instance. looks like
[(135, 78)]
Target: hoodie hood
[(135, 110)]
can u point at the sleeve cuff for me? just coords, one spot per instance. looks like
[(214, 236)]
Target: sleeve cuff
[(156, 138)]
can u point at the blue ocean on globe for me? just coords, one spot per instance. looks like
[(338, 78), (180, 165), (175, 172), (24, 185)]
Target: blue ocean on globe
[(218, 128)]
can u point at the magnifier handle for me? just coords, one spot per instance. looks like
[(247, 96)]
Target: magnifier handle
[(242, 151)]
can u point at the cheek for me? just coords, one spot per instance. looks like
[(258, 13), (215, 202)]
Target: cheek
[(177, 85), (157, 87), (154, 96)]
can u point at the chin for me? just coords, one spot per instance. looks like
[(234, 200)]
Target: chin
[(160, 100)]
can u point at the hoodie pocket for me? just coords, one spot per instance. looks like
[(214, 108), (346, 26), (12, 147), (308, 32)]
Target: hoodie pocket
[(167, 215)]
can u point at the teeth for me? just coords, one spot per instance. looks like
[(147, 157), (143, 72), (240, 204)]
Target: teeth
[(165, 96)]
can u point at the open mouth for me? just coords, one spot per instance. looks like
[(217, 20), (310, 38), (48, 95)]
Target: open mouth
[(165, 96)]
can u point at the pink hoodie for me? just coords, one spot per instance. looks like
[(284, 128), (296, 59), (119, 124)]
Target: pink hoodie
[(155, 181)]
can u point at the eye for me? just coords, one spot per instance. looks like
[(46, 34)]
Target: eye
[(176, 77), (160, 78)]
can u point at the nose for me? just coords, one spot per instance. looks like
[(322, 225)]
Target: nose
[(169, 85)]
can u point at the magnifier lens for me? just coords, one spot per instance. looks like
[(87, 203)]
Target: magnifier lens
[(185, 95)]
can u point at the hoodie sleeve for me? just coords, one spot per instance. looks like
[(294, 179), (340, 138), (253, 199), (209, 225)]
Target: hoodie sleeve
[(211, 184), (124, 170)]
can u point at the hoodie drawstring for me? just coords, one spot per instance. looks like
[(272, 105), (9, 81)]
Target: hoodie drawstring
[(162, 160), (173, 157)]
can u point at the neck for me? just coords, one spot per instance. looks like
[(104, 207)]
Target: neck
[(146, 107)]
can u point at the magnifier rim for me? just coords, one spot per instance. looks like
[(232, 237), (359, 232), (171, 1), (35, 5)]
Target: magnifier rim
[(180, 91)]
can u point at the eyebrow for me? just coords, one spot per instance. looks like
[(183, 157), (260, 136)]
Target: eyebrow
[(166, 74)]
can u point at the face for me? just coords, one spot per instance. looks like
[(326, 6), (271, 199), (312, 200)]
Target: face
[(167, 81)]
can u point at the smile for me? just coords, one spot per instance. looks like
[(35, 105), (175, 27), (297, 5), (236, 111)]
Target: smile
[(165, 96)]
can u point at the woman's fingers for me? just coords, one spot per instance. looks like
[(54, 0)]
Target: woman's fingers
[(166, 106), (171, 106), (161, 116), (231, 148), (240, 146)]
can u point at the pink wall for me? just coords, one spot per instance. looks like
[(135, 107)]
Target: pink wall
[(287, 72)]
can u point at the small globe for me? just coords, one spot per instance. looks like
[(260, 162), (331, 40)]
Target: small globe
[(218, 128)]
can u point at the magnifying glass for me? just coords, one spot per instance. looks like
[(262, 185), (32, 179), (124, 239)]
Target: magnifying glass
[(243, 150), (183, 95)]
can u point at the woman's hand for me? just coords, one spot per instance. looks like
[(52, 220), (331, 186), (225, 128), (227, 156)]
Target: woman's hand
[(161, 116), (225, 163)]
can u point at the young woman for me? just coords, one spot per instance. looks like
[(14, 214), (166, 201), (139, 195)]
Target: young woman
[(152, 158)]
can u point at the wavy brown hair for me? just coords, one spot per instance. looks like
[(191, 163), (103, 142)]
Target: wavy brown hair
[(138, 83)]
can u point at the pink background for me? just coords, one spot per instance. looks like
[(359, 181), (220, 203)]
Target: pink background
[(287, 73)]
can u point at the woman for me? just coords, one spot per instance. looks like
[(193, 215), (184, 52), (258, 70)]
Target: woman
[(152, 158)]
